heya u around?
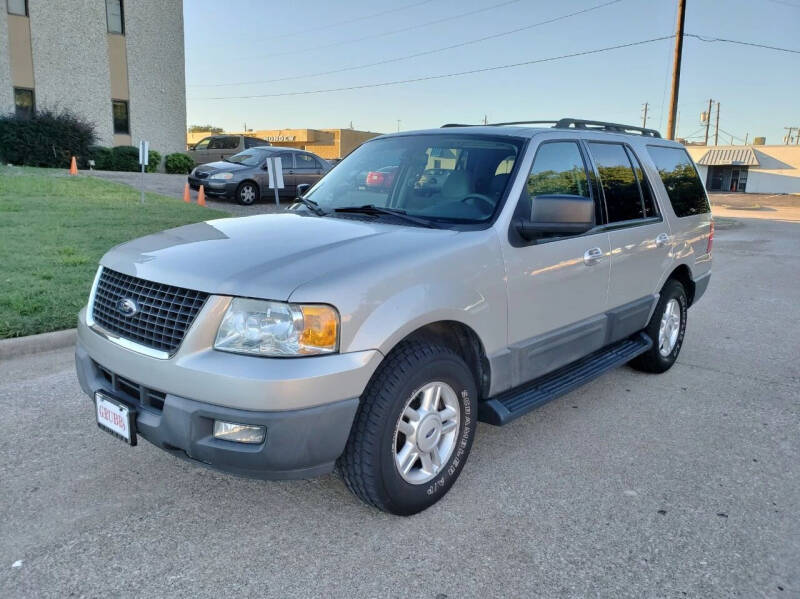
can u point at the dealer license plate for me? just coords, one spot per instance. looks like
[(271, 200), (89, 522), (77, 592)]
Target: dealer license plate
[(115, 417)]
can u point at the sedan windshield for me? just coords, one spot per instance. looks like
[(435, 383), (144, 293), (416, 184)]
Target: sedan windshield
[(457, 178), (252, 157)]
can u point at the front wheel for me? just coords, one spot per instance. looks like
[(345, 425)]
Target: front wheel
[(666, 329), (247, 193), (413, 430)]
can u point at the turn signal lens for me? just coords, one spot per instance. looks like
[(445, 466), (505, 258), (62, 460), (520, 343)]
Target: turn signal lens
[(239, 433), (320, 329)]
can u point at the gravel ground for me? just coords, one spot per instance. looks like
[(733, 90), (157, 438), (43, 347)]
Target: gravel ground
[(675, 485)]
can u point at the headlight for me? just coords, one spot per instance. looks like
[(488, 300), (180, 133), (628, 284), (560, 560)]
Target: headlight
[(225, 176), (267, 328)]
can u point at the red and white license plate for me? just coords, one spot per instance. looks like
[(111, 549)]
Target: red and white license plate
[(115, 417)]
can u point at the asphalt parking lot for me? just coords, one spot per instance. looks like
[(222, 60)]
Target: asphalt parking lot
[(673, 485)]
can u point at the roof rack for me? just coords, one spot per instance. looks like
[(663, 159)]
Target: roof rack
[(578, 124)]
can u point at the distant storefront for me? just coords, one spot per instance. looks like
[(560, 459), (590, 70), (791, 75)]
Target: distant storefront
[(749, 169), (328, 143)]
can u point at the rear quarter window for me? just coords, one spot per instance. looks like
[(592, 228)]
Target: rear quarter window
[(680, 178)]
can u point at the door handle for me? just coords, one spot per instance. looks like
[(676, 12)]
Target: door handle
[(662, 240), (592, 256)]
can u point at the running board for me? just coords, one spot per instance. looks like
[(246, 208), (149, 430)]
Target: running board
[(510, 405)]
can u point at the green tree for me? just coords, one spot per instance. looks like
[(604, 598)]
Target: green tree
[(204, 128)]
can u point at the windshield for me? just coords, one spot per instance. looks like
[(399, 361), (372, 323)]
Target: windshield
[(252, 157), (458, 178)]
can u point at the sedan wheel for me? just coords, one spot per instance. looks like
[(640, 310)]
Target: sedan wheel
[(247, 193)]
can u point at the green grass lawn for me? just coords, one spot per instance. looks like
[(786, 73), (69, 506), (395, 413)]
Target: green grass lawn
[(53, 231)]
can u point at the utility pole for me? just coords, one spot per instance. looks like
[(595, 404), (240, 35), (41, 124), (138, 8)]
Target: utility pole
[(676, 70), (746, 135), (708, 120), (398, 125), (485, 119), (716, 127), (644, 116)]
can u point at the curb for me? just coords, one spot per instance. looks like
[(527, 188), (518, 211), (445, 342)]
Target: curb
[(34, 344)]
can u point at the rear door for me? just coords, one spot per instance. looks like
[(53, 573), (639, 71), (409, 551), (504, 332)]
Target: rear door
[(640, 236), (289, 177), (307, 169)]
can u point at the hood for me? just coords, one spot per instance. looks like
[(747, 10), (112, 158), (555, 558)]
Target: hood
[(265, 256), (221, 165)]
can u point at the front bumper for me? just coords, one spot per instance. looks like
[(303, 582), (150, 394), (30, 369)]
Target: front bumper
[(213, 186), (298, 444)]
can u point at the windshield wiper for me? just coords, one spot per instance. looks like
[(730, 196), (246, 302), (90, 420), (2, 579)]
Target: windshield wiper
[(372, 209), (311, 205)]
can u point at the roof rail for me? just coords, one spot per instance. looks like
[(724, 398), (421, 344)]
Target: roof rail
[(576, 124)]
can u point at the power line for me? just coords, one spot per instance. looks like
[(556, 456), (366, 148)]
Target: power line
[(445, 75), (753, 44), (385, 33), (785, 3), (348, 21), (418, 54)]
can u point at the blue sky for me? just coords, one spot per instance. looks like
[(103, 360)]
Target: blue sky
[(255, 40)]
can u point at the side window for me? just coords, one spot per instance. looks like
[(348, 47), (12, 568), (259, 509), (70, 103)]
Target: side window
[(24, 102), (287, 162), (621, 190), (252, 142), (119, 109), (115, 19), (684, 188), (229, 143), (215, 143), (305, 161), (202, 144), (558, 169), (644, 184)]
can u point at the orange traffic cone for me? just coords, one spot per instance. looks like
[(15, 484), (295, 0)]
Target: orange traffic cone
[(201, 197), (186, 197), (73, 167)]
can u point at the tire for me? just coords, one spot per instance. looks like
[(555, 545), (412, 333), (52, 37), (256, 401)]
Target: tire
[(657, 358), (247, 193), (369, 465)]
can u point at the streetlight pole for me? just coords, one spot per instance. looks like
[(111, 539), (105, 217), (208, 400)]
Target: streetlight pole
[(676, 70)]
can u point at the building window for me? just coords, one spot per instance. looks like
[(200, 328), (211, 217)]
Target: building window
[(115, 17), (24, 102), (121, 121), (17, 7)]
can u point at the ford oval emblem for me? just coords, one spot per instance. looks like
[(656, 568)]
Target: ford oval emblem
[(127, 306)]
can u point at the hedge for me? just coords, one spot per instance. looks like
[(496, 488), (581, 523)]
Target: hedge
[(48, 138), (178, 163)]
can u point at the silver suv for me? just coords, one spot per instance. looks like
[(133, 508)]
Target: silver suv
[(373, 324)]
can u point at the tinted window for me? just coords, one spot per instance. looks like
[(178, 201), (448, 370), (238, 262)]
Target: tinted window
[(23, 102), (287, 162), (305, 161), (618, 181), (684, 188), (558, 169), (114, 17), (228, 143), (647, 192), (121, 121), (252, 142), (202, 144)]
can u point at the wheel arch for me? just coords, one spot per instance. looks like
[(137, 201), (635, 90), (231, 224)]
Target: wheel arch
[(253, 182), (462, 339), (683, 274)]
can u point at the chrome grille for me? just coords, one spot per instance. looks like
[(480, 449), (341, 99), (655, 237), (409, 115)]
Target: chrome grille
[(164, 312)]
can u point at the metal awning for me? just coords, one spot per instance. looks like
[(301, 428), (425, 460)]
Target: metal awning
[(729, 156)]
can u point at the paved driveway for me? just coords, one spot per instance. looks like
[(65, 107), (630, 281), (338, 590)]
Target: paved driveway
[(682, 484), (172, 185)]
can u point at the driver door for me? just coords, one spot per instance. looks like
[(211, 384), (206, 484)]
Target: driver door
[(557, 286)]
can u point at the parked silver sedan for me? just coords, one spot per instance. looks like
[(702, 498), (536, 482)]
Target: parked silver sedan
[(244, 176)]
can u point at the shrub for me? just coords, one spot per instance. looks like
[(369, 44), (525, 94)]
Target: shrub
[(178, 163), (101, 156), (48, 138), (125, 158), (153, 161)]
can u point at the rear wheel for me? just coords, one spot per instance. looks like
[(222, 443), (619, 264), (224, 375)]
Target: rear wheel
[(666, 329), (247, 193), (413, 431)]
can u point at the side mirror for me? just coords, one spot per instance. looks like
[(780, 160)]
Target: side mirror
[(302, 188), (557, 214)]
